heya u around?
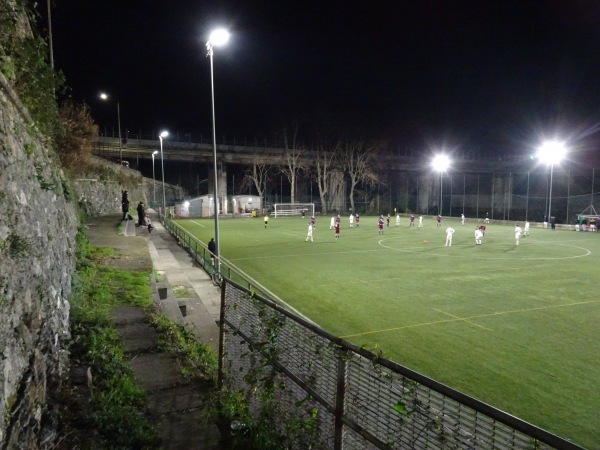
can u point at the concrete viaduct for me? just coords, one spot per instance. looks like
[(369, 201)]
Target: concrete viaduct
[(137, 150)]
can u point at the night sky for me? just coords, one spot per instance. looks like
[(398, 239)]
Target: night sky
[(469, 75)]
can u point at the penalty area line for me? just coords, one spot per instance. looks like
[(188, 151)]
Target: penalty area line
[(499, 313)]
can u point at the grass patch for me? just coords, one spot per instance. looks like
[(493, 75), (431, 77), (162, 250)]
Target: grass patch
[(121, 227), (183, 292), (512, 326)]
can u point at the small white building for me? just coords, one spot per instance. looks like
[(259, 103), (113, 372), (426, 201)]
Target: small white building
[(204, 207), (244, 203), (196, 207)]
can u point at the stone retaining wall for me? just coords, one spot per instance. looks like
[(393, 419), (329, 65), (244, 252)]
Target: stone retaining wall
[(38, 225)]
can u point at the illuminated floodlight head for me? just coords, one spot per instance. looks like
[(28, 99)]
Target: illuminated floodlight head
[(186, 204), (218, 37), (440, 163), (103, 96), (551, 152), (164, 134), (155, 152)]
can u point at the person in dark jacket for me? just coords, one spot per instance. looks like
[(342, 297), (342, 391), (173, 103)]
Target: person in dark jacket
[(212, 248), (125, 204), (140, 211)]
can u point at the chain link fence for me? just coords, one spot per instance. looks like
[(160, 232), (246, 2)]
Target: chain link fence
[(344, 397)]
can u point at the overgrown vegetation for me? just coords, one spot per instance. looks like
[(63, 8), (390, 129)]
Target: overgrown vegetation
[(197, 361), (113, 417), (24, 61), (79, 134)]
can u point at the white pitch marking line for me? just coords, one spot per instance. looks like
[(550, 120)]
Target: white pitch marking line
[(499, 313), (460, 318), (197, 223)]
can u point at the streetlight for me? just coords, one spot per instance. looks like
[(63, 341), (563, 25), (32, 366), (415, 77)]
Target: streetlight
[(551, 152), (153, 178), (104, 97), (162, 135), (440, 164), (217, 38)]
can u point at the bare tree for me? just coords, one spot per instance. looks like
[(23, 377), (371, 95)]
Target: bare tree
[(292, 160), (256, 176), (359, 163), (325, 160)]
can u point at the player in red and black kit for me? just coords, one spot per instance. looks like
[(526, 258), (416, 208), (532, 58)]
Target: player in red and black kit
[(357, 220), (312, 221), (380, 224), (337, 230), (388, 220), (439, 220), (482, 228)]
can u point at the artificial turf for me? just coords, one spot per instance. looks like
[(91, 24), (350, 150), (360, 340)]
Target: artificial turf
[(513, 326)]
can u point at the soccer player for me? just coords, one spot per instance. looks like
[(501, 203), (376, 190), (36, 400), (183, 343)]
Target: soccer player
[(526, 230), (482, 228), (310, 232), (397, 219), (380, 224), (357, 220), (337, 230), (439, 220), (312, 221), (388, 220), (266, 220), (412, 220), (487, 218), (518, 232), (332, 223), (420, 221), (478, 236), (449, 233), (351, 218), (462, 219)]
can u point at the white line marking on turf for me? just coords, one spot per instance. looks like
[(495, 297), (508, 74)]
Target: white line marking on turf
[(472, 256), (198, 223), (499, 313), (303, 255), (466, 320)]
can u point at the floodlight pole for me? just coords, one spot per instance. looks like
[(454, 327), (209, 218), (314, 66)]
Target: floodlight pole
[(154, 178), (120, 140), (162, 164), (550, 196), (209, 47), (441, 196), (218, 37)]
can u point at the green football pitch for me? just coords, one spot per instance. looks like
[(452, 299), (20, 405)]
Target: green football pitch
[(513, 326)]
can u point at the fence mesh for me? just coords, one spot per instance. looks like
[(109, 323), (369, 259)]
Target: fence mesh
[(363, 401)]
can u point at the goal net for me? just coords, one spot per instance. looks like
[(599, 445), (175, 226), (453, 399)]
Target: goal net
[(294, 209)]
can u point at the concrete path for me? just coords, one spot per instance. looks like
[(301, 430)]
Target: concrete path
[(185, 294), (199, 306)]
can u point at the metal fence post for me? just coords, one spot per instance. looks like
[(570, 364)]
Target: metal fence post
[(340, 396)]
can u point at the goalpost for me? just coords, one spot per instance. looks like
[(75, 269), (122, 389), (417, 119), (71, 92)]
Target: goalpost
[(294, 209)]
